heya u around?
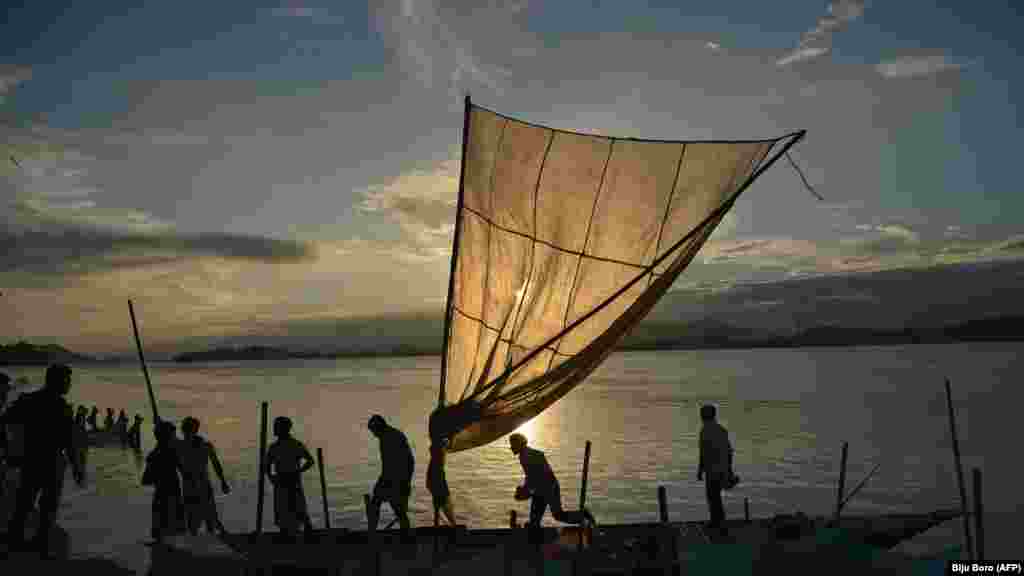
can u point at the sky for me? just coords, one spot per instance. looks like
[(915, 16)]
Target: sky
[(236, 167)]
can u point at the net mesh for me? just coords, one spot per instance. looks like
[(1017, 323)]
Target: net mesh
[(565, 241)]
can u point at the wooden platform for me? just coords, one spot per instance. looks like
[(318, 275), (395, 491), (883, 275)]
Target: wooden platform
[(613, 549)]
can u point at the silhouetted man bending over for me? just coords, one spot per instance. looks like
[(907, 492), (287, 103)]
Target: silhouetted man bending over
[(541, 487)]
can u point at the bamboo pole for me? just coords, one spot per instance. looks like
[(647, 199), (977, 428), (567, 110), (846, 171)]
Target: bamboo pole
[(979, 517), (142, 361), (583, 506), (959, 472), (861, 485), (842, 480), (323, 486), (669, 558), (261, 482)]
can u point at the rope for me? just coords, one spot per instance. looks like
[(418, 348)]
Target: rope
[(803, 178)]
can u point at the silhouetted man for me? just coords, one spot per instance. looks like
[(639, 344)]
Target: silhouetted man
[(135, 433), (5, 389), (287, 459), (395, 483), (163, 469), (196, 454), (47, 432), (121, 427), (715, 464), (541, 487)]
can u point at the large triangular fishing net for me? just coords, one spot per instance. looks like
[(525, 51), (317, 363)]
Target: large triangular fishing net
[(563, 243)]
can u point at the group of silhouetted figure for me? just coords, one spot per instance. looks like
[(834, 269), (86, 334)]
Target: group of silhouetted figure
[(130, 435), (178, 468)]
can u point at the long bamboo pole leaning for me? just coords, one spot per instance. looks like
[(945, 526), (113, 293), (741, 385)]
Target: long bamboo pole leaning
[(142, 362), (959, 472), (323, 487), (260, 482)]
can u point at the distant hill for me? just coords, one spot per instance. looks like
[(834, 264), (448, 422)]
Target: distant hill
[(25, 354), (702, 334)]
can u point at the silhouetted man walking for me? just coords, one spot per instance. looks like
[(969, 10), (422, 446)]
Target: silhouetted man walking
[(395, 483), (47, 434), (715, 464)]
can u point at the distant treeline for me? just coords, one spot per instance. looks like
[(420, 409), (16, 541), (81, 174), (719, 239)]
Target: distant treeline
[(706, 334)]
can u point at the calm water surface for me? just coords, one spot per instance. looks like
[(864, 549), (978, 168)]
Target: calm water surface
[(787, 411)]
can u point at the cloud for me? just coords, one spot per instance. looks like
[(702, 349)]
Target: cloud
[(434, 46), (801, 54), (81, 237), (916, 66), (422, 202), (817, 41), (10, 77)]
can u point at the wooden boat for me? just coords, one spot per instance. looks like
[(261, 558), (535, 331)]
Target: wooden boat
[(615, 549)]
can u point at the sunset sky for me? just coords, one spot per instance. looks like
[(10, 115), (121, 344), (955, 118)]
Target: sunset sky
[(239, 166)]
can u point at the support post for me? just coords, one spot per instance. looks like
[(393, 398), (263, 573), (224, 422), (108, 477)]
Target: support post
[(583, 506), (260, 482), (746, 510), (959, 473), (323, 486), (670, 557), (842, 480), (979, 517)]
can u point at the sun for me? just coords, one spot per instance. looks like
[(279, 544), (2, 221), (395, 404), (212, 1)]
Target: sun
[(528, 429)]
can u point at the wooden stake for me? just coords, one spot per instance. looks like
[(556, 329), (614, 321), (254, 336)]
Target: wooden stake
[(260, 483), (323, 486), (842, 480), (959, 472), (979, 517), (663, 517), (583, 505)]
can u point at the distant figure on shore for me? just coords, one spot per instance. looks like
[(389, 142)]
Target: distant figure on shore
[(541, 487), (81, 415), (437, 484), (162, 472), (121, 427), (135, 433), (395, 483), (46, 433), (108, 422), (715, 466), (196, 454), (94, 419), (288, 458)]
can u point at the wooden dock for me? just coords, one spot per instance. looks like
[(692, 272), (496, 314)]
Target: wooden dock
[(654, 548)]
